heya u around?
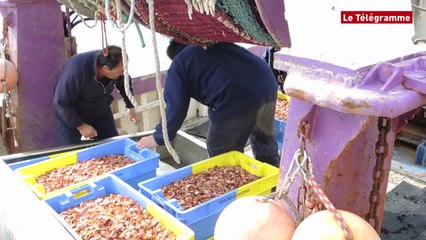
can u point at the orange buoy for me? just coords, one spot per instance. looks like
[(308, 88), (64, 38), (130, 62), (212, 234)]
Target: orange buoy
[(11, 75), (321, 225), (246, 218)]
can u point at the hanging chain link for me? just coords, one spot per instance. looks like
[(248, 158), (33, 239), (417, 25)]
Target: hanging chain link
[(378, 171), (307, 202)]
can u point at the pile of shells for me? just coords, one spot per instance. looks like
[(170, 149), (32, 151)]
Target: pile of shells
[(281, 109), (67, 175), (114, 217), (203, 186)]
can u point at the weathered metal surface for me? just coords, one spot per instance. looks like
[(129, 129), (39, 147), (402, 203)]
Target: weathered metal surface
[(375, 90), (342, 148), (37, 48), (343, 128)]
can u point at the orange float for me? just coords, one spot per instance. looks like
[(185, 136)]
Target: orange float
[(11, 75), (246, 218), (321, 225)]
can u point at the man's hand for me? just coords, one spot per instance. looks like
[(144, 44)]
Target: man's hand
[(133, 115), (87, 131), (147, 142)]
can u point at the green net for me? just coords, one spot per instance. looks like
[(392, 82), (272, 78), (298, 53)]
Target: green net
[(241, 12)]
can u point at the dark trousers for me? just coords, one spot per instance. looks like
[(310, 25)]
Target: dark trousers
[(104, 125), (255, 125)]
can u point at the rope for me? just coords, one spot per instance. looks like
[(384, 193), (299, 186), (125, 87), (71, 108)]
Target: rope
[(129, 20), (158, 84), (297, 166), (104, 37), (330, 207), (289, 178), (138, 30), (124, 56), (82, 18)]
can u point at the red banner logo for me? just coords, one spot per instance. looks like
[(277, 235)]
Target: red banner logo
[(376, 17)]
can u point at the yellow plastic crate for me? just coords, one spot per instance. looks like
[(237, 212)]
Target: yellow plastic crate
[(282, 96), (31, 172), (28, 162), (262, 186)]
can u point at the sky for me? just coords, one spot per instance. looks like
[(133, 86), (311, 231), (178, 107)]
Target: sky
[(315, 31), (141, 60)]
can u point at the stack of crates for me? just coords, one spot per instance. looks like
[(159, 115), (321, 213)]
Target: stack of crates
[(279, 125), (202, 218), (123, 181)]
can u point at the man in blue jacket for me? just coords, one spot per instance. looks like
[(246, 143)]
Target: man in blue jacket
[(239, 89), (82, 96)]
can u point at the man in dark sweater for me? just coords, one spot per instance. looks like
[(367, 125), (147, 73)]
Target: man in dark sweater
[(237, 86), (82, 96)]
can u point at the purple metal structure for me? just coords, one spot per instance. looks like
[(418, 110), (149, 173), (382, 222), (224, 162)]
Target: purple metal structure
[(341, 105), (36, 46), (342, 109)]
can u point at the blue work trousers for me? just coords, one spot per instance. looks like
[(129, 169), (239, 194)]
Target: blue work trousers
[(104, 125), (256, 125)]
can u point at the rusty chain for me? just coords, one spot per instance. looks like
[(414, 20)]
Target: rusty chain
[(378, 171)]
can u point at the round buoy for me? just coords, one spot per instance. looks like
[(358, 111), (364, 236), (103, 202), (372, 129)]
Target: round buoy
[(11, 75), (246, 218), (321, 225)]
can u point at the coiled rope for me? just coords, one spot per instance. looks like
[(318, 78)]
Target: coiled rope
[(158, 84)]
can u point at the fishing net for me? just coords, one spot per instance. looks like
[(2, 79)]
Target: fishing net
[(231, 21)]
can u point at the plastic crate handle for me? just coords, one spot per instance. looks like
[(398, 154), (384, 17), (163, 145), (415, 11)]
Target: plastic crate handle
[(85, 192), (133, 151), (159, 199)]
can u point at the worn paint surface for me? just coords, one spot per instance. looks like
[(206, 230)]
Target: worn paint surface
[(374, 90), (37, 46), (343, 129)]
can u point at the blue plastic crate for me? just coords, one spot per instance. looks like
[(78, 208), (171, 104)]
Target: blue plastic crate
[(144, 167), (202, 218), (111, 184), (420, 154), (279, 129)]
